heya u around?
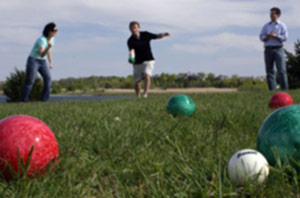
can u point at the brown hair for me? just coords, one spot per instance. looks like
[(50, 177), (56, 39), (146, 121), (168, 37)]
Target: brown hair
[(132, 23), (276, 10), (48, 28)]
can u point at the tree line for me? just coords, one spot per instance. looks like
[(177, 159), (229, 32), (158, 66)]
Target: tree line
[(163, 81)]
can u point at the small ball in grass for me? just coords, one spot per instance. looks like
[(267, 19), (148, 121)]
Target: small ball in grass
[(279, 135), (280, 99), (117, 119), (248, 166), (22, 138), (181, 105)]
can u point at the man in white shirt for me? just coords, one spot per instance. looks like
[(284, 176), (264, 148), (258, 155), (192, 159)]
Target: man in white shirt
[(274, 34)]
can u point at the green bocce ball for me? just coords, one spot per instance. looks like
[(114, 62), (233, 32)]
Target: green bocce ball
[(279, 135), (181, 105), (131, 60)]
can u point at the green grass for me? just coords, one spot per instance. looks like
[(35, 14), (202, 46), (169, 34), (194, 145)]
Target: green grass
[(149, 153)]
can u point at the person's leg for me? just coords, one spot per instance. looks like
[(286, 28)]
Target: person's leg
[(137, 75), (271, 77), (149, 65), (45, 73), (31, 70), (147, 85), (137, 88), (281, 69)]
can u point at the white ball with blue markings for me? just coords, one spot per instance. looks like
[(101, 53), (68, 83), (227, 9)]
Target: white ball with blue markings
[(247, 166)]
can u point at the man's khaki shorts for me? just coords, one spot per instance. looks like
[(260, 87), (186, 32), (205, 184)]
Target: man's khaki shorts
[(139, 70)]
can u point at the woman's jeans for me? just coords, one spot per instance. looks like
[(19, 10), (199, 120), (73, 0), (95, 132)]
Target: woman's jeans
[(33, 66)]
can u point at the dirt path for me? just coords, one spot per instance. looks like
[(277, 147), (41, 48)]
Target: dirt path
[(188, 90)]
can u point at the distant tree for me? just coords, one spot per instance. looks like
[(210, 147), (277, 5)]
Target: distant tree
[(56, 88), (293, 67), (1, 85), (107, 85), (70, 88), (94, 84), (211, 79), (202, 76), (234, 81), (127, 83), (252, 84), (13, 85), (79, 85)]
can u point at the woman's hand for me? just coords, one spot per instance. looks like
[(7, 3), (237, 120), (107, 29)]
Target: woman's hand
[(49, 44)]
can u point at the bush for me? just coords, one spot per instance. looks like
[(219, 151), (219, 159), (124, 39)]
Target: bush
[(253, 85), (293, 67), (71, 88), (13, 86), (56, 88), (1, 85)]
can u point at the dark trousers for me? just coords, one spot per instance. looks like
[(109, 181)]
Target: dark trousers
[(32, 67), (276, 56)]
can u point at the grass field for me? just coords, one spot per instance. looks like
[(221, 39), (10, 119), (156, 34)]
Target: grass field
[(149, 153)]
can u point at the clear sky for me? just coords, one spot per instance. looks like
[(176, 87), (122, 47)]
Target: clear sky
[(218, 36)]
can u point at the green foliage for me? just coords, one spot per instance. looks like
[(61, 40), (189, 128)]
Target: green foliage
[(1, 85), (56, 88), (71, 87), (163, 81), (253, 85), (149, 153), (293, 67), (14, 84), (127, 83)]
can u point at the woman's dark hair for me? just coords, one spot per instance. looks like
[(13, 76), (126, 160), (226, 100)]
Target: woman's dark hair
[(132, 23), (276, 10), (48, 28)]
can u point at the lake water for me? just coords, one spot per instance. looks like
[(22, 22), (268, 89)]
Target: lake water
[(74, 98)]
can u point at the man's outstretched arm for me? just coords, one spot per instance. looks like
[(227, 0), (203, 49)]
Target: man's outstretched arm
[(159, 36)]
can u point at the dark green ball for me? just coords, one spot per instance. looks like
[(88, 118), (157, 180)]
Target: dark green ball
[(280, 135), (131, 60), (181, 105)]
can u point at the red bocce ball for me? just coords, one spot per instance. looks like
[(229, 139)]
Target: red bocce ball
[(18, 136), (280, 99)]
